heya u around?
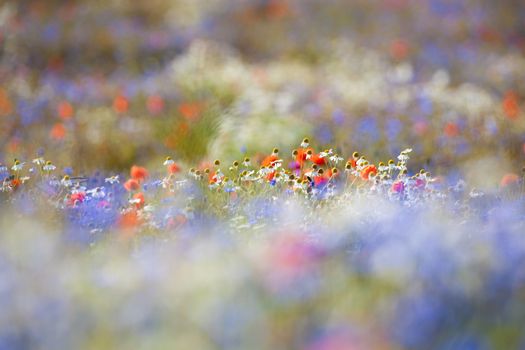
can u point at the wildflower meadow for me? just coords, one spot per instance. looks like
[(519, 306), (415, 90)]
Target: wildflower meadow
[(262, 174)]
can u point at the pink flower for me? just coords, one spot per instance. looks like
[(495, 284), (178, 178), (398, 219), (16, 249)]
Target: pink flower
[(398, 187), (155, 104), (420, 184)]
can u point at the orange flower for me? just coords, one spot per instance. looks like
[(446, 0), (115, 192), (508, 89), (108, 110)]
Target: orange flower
[(131, 185), (277, 9), (15, 183), (212, 177), (451, 129), (317, 159), (399, 49), (129, 220), (270, 176), (190, 110), (65, 110), (367, 171), (6, 107), (140, 200), (509, 179), (14, 145), (76, 198), (58, 132), (321, 180), (301, 154), (120, 104), (138, 173), (510, 105), (269, 160), (173, 168)]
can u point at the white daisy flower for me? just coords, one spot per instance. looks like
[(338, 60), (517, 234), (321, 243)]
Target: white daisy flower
[(149, 208), (326, 153), (23, 179), (48, 167), (18, 165), (97, 192), (112, 180), (66, 181), (168, 161), (305, 143), (39, 161), (336, 159)]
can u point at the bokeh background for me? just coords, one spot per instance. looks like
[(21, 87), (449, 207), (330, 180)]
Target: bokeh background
[(178, 262), (106, 84)]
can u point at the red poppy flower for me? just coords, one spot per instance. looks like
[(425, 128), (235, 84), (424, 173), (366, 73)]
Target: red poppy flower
[(317, 159), (277, 9), (140, 200), (76, 198), (451, 129), (302, 153), (399, 49), (190, 110), (510, 105), (509, 179), (269, 160), (120, 104), (367, 171), (58, 132), (321, 180), (138, 173), (131, 185), (15, 183), (6, 106), (14, 145), (65, 110), (129, 220), (212, 177), (173, 168)]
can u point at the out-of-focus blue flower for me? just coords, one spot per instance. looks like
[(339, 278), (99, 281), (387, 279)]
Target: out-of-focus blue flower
[(393, 127), (338, 117), (324, 134), (425, 104), (367, 130)]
